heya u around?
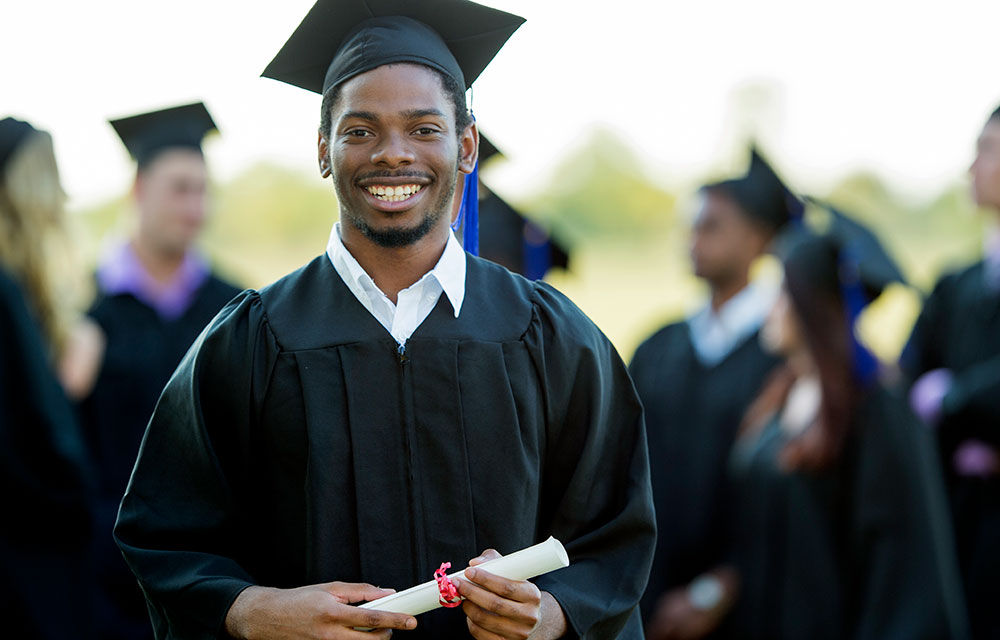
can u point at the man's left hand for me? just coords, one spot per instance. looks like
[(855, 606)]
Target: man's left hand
[(511, 609)]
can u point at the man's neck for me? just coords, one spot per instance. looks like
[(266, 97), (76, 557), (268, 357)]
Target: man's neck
[(161, 265), (726, 291), (395, 269)]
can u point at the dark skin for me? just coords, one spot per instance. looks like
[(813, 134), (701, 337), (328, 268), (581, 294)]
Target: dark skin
[(394, 126), (724, 244)]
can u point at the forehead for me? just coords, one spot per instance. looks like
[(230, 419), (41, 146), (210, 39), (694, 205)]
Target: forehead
[(717, 207), (173, 163), (392, 88)]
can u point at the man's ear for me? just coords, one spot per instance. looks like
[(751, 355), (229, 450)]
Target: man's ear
[(469, 143), (323, 156)]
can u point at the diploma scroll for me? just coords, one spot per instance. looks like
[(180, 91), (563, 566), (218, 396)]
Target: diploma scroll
[(520, 565)]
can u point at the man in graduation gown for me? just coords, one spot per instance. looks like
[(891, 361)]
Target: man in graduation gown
[(396, 403), (155, 295), (953, 361), (696, 378)]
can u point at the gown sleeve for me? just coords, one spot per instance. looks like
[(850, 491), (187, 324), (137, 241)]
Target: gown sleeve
[(178, 521), (906, 578), (596, 495)]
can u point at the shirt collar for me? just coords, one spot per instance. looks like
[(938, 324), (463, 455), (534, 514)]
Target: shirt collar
[(449, 272), (716, 333), (121, 271)]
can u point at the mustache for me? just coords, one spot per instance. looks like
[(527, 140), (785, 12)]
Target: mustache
[(394, 174)]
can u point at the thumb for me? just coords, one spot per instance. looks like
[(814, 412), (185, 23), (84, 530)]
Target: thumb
[(485, 556)]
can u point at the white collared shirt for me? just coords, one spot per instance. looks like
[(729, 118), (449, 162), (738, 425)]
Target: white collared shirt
[(715, 334), (414, 303)]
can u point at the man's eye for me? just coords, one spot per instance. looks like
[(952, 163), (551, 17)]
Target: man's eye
[(426, 131), (357, 133)]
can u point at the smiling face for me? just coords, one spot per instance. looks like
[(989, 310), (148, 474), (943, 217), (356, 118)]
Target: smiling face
[(395, 155)]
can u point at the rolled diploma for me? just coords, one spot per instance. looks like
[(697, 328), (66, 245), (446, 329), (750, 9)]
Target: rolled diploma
[(520, 565)]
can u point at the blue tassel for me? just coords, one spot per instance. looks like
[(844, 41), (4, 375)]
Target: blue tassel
[(865, 363), (468, 212)]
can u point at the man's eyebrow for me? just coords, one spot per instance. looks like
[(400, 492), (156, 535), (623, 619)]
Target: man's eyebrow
[(416, 114), (360, 115)]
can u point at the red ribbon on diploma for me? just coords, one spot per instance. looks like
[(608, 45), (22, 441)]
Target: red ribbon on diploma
[(449, 593)]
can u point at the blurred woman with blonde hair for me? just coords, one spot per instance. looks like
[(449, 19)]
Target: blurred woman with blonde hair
[(45, 479)]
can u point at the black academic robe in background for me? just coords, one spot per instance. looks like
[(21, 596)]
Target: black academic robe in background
[(297, 444), (46, 484), (692, 413), (862, 550), (143, 349), (959, 329)]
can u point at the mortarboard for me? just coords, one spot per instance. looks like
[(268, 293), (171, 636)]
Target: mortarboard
[(147, 134), (760, 193), (12, 133), (340, 39)]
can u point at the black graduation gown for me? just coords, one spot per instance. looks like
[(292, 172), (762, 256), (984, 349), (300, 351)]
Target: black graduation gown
[(861, 550), (142, 352), (46, 482), (296, 444), (692, 414), (959, 329)]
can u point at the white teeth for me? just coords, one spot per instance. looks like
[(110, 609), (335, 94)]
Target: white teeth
[(394, 194)]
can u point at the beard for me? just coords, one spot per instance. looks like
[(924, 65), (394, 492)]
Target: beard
[(394, 238)]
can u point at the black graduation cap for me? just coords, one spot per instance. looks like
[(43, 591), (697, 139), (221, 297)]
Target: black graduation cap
[(509, 239), (487, 149), (339, 39), (147, 134), (860, 244), (761, 193), (12, 133)]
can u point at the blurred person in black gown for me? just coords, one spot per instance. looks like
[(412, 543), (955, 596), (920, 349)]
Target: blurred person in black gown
[(953, 364), (46, 580), (840, 525), (510, 239), (155, 293), (696, 378), (397, 402)]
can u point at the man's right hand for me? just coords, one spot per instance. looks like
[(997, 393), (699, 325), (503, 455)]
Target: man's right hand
[(321, 611)]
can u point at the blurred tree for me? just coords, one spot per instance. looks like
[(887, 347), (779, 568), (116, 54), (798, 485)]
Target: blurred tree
[(601, 192)]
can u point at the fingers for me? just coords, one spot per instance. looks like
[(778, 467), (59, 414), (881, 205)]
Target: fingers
[(489, 554), (498, 606), (372, 619), (349, 592)]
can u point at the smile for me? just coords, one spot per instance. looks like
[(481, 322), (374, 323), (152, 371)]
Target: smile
[(389, 193)]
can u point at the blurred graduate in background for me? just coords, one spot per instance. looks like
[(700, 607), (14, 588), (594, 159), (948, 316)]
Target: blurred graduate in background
[(155, 295), (507, 237), (46, 479), (840, 526), (696, 377), (953, 363)]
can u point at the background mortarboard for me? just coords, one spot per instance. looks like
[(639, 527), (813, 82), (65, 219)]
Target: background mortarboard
[(12, 133), (760, 193), (510, 239), (328, 48), (147, 134)]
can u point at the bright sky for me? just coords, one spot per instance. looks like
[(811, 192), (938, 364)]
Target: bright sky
[(899, 86)]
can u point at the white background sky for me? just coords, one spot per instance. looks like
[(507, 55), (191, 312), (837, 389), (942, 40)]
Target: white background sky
[(899, 86)]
